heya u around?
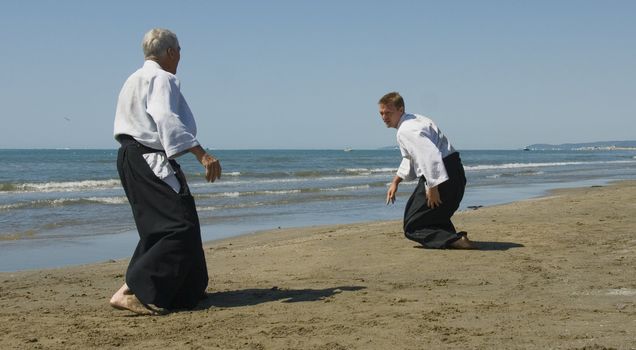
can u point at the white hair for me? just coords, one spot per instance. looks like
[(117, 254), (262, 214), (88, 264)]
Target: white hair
[(157, 41)]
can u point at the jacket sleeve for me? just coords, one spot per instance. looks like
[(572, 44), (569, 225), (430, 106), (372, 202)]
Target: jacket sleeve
[(405, 170), (164, 97)]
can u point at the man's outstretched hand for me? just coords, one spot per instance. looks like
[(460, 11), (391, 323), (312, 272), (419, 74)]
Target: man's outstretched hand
[(390, 194), (212, 167)]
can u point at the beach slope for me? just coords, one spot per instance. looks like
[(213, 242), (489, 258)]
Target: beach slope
[(552, 273)]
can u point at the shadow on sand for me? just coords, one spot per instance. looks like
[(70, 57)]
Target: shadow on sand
[(484, 245), (247, 297), (488, 246)]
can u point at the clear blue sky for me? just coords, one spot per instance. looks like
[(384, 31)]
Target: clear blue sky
[(307, 74)]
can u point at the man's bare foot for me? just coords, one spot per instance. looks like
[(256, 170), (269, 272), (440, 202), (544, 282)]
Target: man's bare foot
[(124, 290), (462, 243), (124, 299)]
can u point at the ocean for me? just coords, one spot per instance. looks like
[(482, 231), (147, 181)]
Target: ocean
[(63, 207)]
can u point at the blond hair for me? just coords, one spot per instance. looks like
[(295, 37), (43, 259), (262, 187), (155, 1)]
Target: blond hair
[(392, 98)]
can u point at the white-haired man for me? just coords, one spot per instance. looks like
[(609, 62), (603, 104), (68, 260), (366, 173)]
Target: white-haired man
[(154, 125)]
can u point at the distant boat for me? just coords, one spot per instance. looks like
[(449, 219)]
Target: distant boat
[(526, 149), (347, 149)]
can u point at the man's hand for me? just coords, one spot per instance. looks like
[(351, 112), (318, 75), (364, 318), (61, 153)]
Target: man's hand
[(432, 197), (212, 167), (390, 194)]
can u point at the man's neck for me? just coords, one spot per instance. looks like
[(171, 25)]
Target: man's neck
[(163, 63)]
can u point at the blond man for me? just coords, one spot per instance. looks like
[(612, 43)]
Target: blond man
[(427, 155)]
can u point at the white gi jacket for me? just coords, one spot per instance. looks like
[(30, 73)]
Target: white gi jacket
[(153, 111), (423, 147)]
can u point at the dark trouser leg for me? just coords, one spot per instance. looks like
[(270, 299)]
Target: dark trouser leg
[(168, 267), (432, 227)]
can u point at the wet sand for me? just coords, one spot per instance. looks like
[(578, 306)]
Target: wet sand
[(552, 273)]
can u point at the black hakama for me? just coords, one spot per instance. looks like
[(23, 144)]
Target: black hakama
[(432, 227), (168, 266)]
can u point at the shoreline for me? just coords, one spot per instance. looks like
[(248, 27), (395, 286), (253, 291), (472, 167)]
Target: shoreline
[(51, 253), (554, 272)]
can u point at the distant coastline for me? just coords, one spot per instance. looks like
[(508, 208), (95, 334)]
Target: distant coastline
[(586, 146)]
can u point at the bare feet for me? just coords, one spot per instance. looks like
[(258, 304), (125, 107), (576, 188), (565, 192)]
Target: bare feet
[(124, 299), (462, 243)]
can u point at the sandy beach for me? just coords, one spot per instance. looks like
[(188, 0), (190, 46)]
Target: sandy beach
[(552, 273)]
